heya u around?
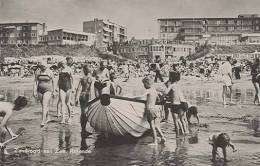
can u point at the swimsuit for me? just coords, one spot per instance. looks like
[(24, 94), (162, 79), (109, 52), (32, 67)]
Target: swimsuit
[(85, 93), (65, 81), (44, 84)]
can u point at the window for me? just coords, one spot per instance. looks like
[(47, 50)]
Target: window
[(19, 28), (33, 28), (257, 28)]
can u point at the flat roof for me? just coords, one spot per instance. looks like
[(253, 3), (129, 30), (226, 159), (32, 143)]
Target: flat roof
[(70, 31), (210, 18), (20, 23)]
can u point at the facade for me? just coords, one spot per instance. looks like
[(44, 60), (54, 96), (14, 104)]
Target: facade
[(66, 37), (217, 31), (149, 49), (106, 31), (21, 33)]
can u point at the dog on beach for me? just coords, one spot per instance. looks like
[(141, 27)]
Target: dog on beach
[(192, 111), (220, 141)]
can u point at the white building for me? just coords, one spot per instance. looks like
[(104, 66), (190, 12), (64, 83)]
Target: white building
[(67, 37)]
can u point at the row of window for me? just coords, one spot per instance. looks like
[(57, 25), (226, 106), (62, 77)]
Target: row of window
[(171, 29), (156, 48), (68, 38), (209, 22), (18, 35), (17, 42)]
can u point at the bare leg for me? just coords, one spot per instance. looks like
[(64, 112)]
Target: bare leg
[(45, 107), (225, 154), (176, 123), (224, 94), (152, 125), (214, 153), (158, 127), (230, 89), (62, 99), (67, 101), (59, 107)]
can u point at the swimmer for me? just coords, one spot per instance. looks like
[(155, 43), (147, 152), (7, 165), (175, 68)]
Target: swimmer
[(43, 90), (86, 84), (6, 111), (65, 84), (221, 141)]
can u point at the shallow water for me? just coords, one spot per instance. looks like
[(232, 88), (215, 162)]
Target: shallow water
[(58, 144)]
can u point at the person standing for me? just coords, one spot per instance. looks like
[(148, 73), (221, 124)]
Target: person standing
[(65, 84), (226, 72), (43, 90), (86, 84), (255, 72), (158, 71)]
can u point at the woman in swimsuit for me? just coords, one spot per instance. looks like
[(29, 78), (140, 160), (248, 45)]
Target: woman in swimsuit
[(43, 90), (86, 84), (65, 83)]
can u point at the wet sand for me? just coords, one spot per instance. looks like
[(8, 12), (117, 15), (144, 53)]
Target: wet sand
[(58, 144)]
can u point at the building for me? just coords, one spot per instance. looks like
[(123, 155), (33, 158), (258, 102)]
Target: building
[(21, 33), (217, 31), (66, 37), (150, 49), (107, 32)]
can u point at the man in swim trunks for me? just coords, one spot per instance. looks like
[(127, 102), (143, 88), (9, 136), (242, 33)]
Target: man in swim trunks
[(226, 72), (44, 89)]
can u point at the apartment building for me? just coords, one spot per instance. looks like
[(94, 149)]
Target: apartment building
[(150, 49), (67, 37), (106, 32), (28, 33), (217, 31)]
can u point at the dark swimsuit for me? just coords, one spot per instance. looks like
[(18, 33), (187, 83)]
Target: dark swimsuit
[(64, 81), (44, 84), (84, 95)]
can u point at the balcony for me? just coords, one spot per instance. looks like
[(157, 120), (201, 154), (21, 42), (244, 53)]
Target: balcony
[(107, 29)]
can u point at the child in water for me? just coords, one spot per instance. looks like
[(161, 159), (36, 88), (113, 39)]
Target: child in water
[(6, 111), (220, 141), (151, 110)]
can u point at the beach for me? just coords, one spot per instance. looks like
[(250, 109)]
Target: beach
[(59, 144)]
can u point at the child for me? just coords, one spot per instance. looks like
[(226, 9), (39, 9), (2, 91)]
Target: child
[(178, 105), (223, 141), (115, 89), (6, 111), (151, 112), (192, 111)]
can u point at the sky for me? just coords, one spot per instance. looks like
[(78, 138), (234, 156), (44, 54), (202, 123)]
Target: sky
[(139, 16)]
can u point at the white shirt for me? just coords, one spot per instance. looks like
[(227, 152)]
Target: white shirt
[(225, 69)]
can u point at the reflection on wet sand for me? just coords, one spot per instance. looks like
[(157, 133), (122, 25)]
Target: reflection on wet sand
[(189, 150)]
